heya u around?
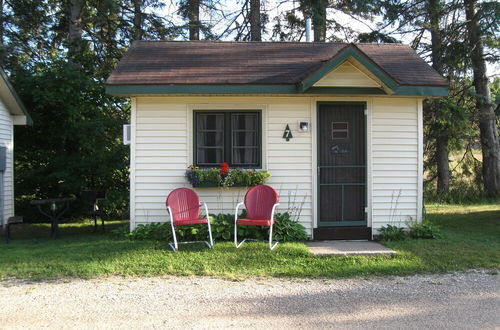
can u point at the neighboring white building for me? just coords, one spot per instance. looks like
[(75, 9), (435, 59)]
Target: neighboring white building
[(358, 166), (12, 112)]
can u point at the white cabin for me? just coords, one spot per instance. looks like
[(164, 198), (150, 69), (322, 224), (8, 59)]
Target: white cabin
[(357, 167)]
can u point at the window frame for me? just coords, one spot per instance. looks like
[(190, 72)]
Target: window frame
[(228, 136)]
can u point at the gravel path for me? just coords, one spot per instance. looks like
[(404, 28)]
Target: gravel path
[(468, 300)]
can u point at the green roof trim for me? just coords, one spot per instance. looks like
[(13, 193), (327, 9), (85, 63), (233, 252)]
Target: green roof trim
[(29, 120), (341, 57), (421, 91), (346, 90), (128, 90), (201, 89)]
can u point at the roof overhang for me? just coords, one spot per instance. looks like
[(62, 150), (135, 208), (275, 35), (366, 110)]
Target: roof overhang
[(350, 53), (13, 103), (137, 90)]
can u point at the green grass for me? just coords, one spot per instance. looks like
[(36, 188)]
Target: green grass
[(471, 239)]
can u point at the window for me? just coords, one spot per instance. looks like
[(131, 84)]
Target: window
[(340, 130), (227, 136)]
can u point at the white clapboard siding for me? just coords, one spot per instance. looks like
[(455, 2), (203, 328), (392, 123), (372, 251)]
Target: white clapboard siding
[(163, 151), (394, 161), (6, 140)]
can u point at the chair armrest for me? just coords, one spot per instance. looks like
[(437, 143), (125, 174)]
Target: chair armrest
[(169, 210), (272, 212), (236, 211), (205, 207)]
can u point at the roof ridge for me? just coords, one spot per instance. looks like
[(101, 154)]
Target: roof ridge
[(271, 42)]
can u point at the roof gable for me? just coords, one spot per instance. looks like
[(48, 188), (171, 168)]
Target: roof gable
[(347, 75), (353, 53)]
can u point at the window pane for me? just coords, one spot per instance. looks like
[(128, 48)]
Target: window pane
[(210, 139), (210, 156), (245, 121), (245, 156), (242, 139), (209, 121)]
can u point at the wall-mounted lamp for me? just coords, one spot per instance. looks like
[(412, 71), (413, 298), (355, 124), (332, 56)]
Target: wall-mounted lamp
[(304, 126)]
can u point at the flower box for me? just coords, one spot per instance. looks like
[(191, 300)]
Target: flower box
[(225, 177)]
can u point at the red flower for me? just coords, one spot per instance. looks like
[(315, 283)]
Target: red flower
[(224, 168)]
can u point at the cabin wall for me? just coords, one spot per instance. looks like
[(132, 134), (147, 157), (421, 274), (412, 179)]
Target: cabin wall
[(6, 140), (396, 161), (161, 150)]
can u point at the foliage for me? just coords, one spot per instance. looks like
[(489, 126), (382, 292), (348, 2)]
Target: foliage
[(392, 233), (74, 145), (423, 230), (470, 241), (215, 177), (222, 225), (288, 230)]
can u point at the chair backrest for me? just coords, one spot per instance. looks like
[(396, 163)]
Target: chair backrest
[(259, 202), (184, 203)]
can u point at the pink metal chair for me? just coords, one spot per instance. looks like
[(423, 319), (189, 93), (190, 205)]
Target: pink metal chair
[(260, 203), (184, 206)]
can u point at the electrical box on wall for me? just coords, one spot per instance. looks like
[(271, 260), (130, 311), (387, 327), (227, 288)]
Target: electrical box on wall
[(3, 159)]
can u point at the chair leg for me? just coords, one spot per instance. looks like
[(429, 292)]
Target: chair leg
[(235, 235), (271, 246), (95, 223), (174, 247), (210, 235)]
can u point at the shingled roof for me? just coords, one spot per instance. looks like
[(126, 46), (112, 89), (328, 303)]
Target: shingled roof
[(259, 63)]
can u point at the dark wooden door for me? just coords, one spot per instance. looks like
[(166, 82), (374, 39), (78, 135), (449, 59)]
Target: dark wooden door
[(342, 164)]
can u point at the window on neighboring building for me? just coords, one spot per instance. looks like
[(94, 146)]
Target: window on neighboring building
[(227, 136)]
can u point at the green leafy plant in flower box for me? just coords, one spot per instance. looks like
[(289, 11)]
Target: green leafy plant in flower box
[(225, 177)]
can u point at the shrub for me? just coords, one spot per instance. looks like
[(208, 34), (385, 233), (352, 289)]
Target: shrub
[(423, 230), (285, 230), (288, 230), (392, 233)]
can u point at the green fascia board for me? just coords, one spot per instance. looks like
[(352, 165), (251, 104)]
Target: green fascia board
[(200, 89), (29, 120), (129, 90), (346, 90), (349, 51), (421, 91)]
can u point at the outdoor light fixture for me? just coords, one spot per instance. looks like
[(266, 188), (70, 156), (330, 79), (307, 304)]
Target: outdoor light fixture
[(304, 126)]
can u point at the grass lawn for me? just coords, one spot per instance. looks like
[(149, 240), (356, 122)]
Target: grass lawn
[(471, 239)]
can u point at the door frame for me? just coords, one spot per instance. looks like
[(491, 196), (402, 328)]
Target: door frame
[(318, 185)]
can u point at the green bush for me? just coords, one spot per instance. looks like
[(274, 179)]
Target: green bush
[(423, 230), (284, 230), (288, 230), (392, 233)]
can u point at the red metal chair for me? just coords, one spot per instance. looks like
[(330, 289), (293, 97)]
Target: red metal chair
[(260, 203), (184, 206)]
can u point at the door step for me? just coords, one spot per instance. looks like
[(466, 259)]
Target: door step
[(349, 233)]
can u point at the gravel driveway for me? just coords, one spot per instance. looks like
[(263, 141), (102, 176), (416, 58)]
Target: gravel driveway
[(461, 300)]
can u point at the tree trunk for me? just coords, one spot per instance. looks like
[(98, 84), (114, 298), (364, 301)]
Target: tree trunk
[(487, 119), (2, 50), (137, 29), (194, 19), (442, 139), (318, 11), (255, 23), (75, 30)]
